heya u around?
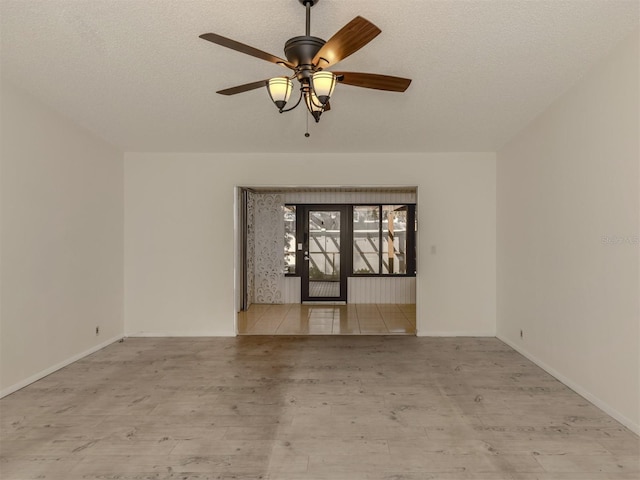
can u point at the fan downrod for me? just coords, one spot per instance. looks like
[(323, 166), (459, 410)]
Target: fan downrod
[(301, 50)]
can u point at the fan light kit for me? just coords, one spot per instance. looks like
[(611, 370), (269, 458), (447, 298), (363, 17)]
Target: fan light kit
[(309, 57)]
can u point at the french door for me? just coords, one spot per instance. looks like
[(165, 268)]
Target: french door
[(324, 271)]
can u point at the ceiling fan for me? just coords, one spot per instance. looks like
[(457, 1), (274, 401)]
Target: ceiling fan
[(309, 57)]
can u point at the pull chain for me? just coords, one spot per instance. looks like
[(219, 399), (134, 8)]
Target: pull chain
[(307, 134)]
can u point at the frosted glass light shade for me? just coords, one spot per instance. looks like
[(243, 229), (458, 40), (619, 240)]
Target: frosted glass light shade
[(279, 89), (313, 104), (323, 83)]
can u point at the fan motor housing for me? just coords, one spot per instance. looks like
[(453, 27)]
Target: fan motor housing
[(301, 50)]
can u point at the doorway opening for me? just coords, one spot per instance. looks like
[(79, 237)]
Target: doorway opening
[(312, 258)]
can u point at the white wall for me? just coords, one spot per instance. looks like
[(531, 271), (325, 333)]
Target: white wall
[(62, 241), (401, 290), (292, 290), (565, 184), (179, 220)]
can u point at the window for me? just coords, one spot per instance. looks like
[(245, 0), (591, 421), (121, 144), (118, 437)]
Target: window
[(394, 239), (366, 240), (290, 239), (383, 240), (382, 237)]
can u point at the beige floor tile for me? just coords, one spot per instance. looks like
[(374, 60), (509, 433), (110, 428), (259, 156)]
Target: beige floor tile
[(296, 319)]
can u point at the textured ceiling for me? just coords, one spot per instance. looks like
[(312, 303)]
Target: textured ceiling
[(136, 73)]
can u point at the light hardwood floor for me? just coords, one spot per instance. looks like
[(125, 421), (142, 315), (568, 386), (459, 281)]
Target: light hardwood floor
[(309, 408), (355, 319)]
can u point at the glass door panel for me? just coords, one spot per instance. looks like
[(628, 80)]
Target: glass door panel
[(324, 274)]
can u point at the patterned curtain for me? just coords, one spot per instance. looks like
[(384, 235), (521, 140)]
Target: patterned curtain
[(265, 248), (251, 248)]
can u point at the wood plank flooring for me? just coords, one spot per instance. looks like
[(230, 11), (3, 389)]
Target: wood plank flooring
[(309, 408), (354, 319)]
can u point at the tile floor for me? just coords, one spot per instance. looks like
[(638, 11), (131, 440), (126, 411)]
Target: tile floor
[(309, 408), (358, 319)]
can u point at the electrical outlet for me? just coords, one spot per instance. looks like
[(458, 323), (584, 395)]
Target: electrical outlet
[(97, 330), (521, 334)]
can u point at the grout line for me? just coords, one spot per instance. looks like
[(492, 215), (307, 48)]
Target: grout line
[(355, 313), (260, 318), (408, 320), (382, 316), (404, 314), (284, 316), (412, 323)]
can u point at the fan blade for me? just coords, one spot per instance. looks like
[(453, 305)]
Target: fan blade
[(243, 88), (351, 38), (241, 47), (373, 80)]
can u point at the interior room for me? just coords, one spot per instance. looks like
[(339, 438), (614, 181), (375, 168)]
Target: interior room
[(428, 267)]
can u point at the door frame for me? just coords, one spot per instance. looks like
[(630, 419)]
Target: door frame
[(303, 232)]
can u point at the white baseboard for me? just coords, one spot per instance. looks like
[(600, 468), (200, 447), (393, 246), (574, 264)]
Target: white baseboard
[(181, 334), (606, 408), (455, 334), (34, 378)]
